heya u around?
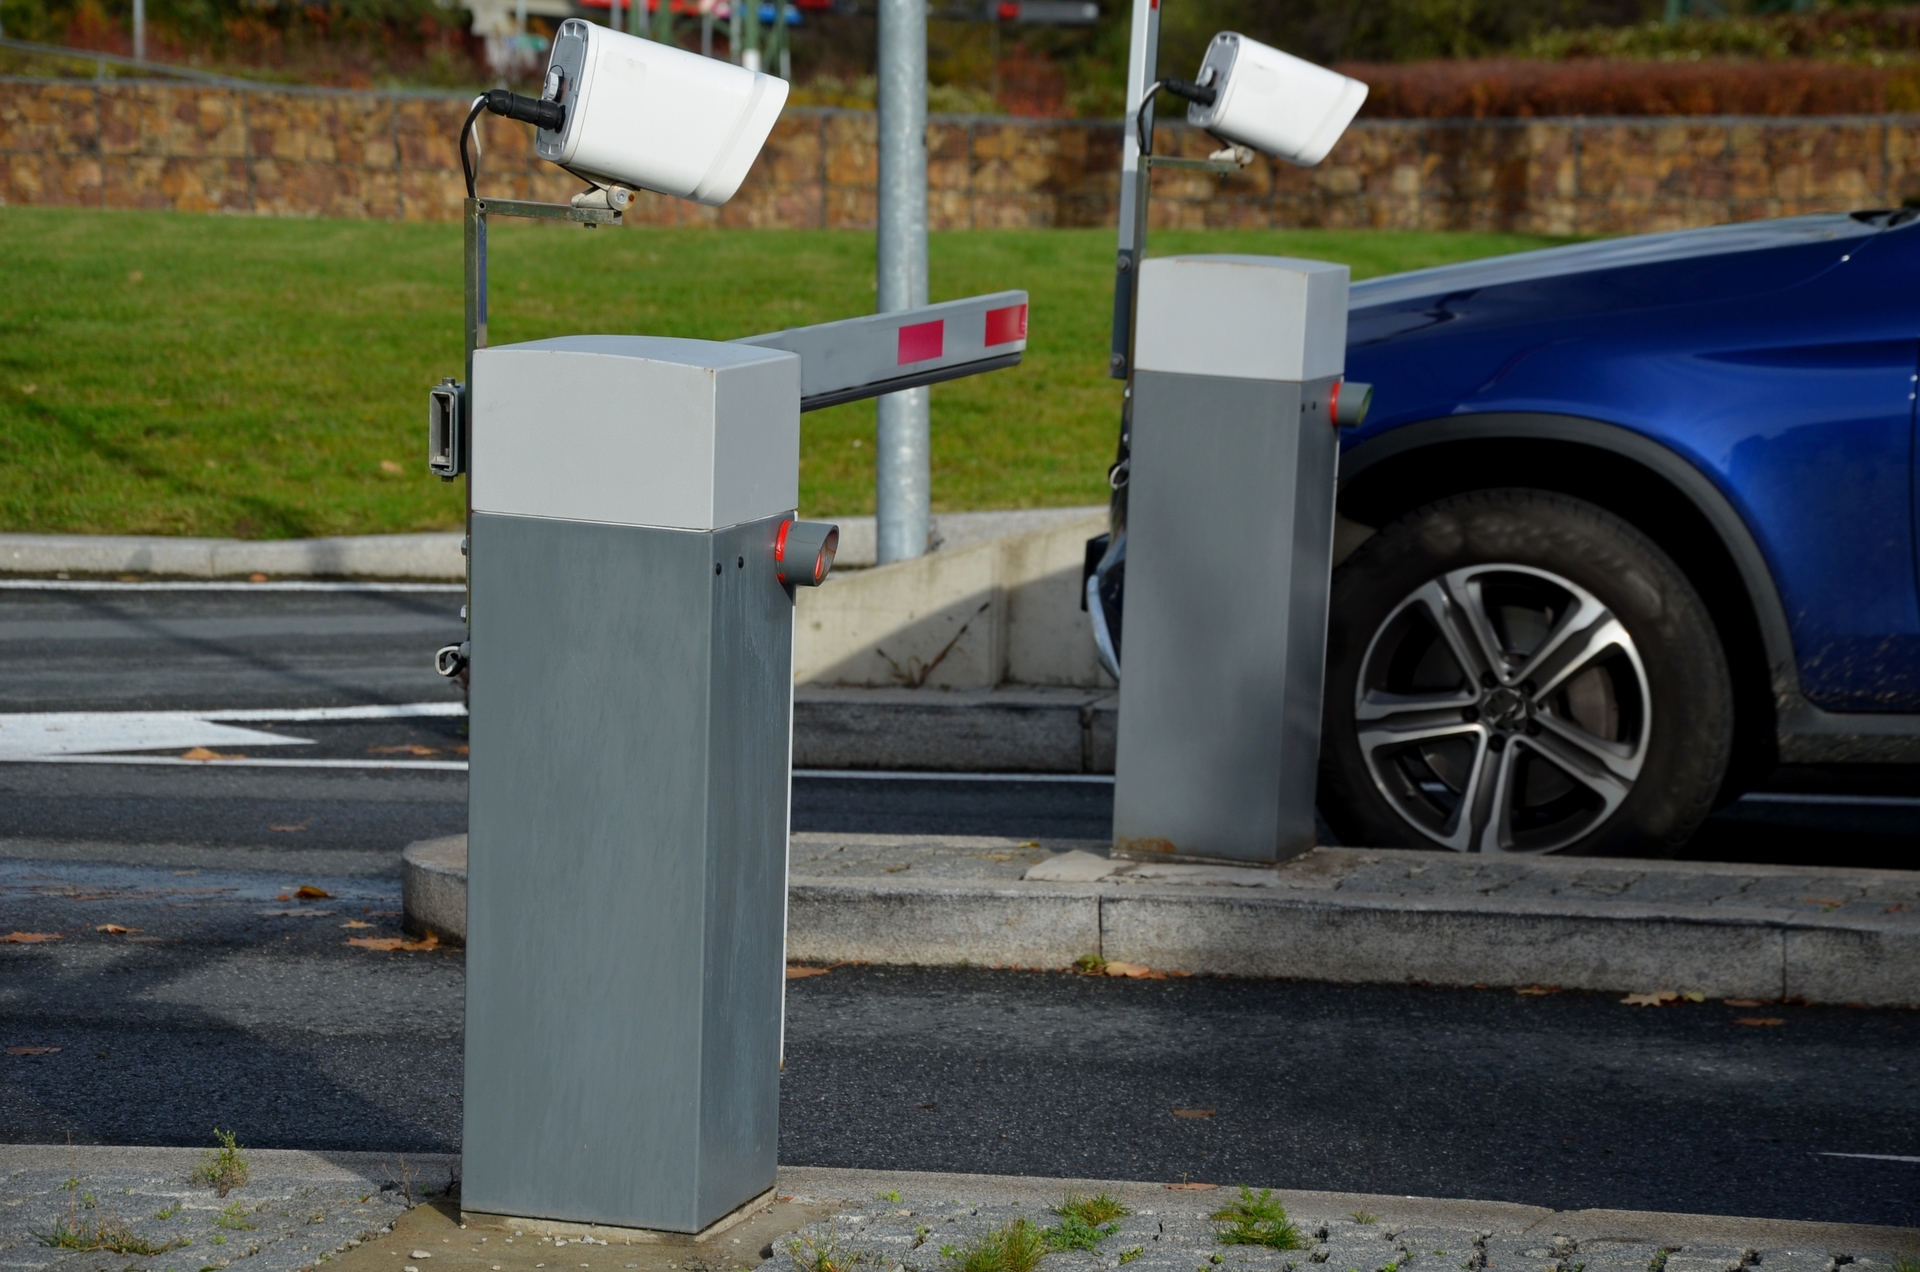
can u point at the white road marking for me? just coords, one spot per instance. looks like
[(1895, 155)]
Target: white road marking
[(1873, 1157), (67, 735), (242, 762), (214, 585)]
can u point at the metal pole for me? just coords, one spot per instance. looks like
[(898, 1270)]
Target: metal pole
[(140, 29), (1143, 55), (476, 262), (662, 19), (902, 448)]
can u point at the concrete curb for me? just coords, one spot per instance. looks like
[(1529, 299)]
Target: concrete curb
[(433, 887), (1007, 730), (1312, 931), (407, 556), (395, 556)]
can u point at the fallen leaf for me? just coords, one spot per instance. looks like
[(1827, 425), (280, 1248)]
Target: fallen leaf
[(28, 938), (410, 748), (29, 389), (307, 892), (1898, 907), (1134, 970), (355, 923), (115, 929), (1534, 991), (288, 830), (1696, 997), (390, 943), (134, 275), (390, 468), (284, 896), (1658, 998), (202, 753), (1760, 1020), (1746, 1002), (1829, 902), (1193, 1112), (801, 973), (1193, 1187), (256, 578), (463, 748), (29, 1049)]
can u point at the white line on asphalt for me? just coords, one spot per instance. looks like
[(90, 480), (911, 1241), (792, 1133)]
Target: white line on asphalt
[(1860, 801), (90, 585), (46, 735), (1873, 1157), (238, 762), (891, 775)]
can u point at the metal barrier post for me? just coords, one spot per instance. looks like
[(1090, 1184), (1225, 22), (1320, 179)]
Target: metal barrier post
[(1235, 452)]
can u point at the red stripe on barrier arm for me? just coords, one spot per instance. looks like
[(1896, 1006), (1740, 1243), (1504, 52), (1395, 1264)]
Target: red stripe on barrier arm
[(780, 552), (922, 340), (1006, 325)]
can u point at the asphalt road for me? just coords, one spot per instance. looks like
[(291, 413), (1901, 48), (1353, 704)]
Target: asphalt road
[(213, 1011)]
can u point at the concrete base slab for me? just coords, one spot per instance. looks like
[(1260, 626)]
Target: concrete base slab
[(609, 1234)]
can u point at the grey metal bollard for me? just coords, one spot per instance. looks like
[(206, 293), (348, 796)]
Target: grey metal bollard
[(632, 709), (1230, 542)]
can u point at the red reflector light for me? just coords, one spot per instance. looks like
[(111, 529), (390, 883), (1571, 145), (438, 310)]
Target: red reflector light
[(923, 340), (1006, 325)]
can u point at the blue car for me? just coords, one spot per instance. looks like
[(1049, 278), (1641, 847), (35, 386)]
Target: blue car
[(1631, 523)]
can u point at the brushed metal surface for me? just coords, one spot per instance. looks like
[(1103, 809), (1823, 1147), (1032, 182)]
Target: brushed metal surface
[(1229, 555), (631, 724)]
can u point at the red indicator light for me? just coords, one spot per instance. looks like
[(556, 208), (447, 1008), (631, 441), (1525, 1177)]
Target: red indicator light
[(1006, 325), (923, 340)]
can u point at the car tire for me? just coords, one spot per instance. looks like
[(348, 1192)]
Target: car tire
[(1520, 671)]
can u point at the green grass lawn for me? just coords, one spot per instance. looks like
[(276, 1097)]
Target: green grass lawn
[(181, 374)]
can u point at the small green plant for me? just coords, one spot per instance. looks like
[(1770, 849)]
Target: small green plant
[(1130, 1254), (107, 1234), (893, 1196), (234, 1218), (88, 1201), (1084, 1221), (168, 1213), (1090, 965), (920, 1236), (70, 1185), (1018, 1247), (1256, 1220), (822, 1252), (217, 1238), (1905, 1261), (1364, 1216), (225, 1169), (949, 1251), (1659, 1261)]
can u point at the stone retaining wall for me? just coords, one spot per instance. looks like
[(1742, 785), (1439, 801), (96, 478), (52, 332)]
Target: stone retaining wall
[(311, 152)]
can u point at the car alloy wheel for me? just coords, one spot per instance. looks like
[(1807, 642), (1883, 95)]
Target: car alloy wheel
[(1503, 708), (1516, 670)]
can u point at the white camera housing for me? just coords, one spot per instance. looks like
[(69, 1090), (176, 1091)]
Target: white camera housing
[(659, 118), (1273, 101)]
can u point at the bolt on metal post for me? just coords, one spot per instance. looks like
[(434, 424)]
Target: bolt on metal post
[(902, 446)]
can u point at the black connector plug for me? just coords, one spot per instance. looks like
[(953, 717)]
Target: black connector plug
[(551, 116), (1187, 90)]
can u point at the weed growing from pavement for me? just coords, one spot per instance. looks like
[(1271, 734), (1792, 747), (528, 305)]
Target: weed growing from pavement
[(1018, 1247), (893, 1196), (1085, 1221), (1257, 1220), (1129, 1255), (225, 1169), (823, 1253), (1906, 1261), (234, 1218), (107, 1234), (168, 1213), (1363, 1216), (1090, 965)]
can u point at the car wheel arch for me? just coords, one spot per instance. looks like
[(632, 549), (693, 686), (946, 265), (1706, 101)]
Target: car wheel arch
[(1635, 478)]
